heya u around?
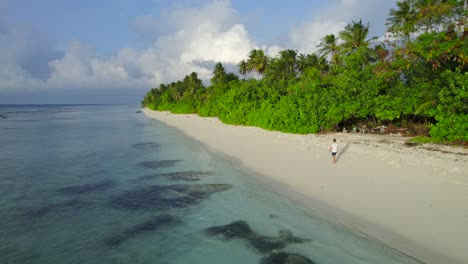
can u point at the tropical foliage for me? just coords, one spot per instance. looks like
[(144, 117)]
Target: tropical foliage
[(415, 80)]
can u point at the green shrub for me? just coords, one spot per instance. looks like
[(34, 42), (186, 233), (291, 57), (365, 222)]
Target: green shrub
[(421, 139)]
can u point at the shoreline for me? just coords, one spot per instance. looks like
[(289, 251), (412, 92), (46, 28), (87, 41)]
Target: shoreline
[(413, 199)]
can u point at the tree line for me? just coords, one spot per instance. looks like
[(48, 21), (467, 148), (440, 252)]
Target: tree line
[(416, 79)]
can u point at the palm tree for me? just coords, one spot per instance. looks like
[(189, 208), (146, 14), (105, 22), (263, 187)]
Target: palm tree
[(191, 83), (311, 60), (219, 74), (402, 20), (285, 66), (176, 90), (354, 36), (439, 15), (302, 62), (329, 47), (243, 67), (163, 88), (257, 61), (287, 60), (380, 53)]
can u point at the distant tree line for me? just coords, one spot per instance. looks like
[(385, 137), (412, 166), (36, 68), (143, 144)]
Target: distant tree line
[(416, 79)]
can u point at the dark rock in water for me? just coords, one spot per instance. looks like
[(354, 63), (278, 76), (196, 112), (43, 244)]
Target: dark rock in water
[(159, 163), (238, 229), (156, 223), (180, 175), (264, 244), (273, 216), (88, 188), (58, 207), (166, 197), (138, 111), (146, 145), (286, 258)]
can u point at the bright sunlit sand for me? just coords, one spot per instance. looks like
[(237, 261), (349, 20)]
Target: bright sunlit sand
[(415, 199)]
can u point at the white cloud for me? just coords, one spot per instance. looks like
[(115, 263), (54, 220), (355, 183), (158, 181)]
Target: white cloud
[(204, 34), (307, 37), (74, 66), (81, 66), (272, 51), (24, 53), (13, 77), (207, 33), (333, 19), (217, 14), (208, 44), (199, 36)]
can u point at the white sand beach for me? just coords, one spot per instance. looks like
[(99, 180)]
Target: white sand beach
[(414, 199)]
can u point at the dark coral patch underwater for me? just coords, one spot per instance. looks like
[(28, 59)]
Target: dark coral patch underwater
[(157, 223), (146, 146), (263, 244), (72, 205), (166, 197), (159, 163), (285, 258), (180, 175), (88, 188)]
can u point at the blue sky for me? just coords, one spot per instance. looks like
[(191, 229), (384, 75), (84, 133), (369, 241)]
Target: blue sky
[(113, 51)]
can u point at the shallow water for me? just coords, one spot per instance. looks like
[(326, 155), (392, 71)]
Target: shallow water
[(103, 184)]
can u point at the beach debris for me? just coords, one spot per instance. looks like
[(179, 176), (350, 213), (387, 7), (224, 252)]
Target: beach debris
[(180, 175), (156, 223), (286, 258), (88, 188), (263, 244), (397, 130), (410, 144), (445, 151), (58, 207), (379, 129), (364, 129), (166, 197), (146, 145), (159, 163)]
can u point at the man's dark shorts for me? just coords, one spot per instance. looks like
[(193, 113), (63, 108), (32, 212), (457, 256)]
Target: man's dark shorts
[(333, 153)]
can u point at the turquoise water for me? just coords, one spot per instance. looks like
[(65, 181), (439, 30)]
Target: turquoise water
[(103, 184)]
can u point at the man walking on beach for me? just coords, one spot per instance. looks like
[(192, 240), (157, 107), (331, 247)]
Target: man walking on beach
[(334, 149)]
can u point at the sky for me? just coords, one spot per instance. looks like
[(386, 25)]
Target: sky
[(114, 51)]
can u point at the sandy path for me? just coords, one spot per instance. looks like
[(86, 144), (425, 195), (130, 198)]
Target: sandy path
[(411, 198)]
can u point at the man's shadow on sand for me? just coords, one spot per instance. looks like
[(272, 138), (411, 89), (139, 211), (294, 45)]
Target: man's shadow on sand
[(342, 152)]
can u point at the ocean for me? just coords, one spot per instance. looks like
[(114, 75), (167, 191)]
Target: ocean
[(105, 184)]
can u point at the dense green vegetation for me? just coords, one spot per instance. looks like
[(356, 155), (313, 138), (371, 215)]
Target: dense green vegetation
[(417, 80)]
